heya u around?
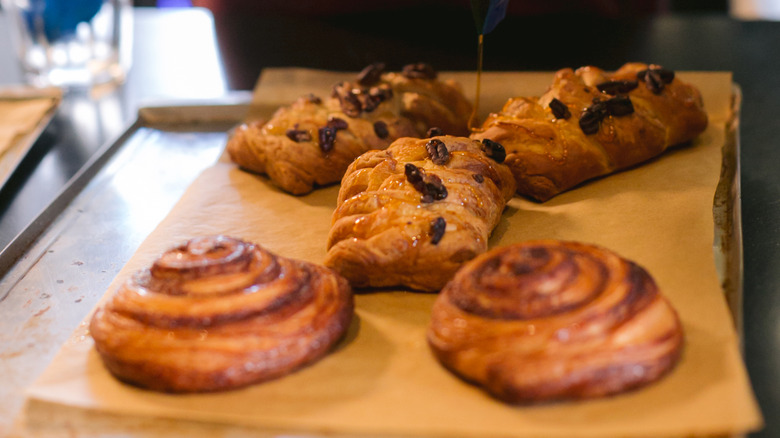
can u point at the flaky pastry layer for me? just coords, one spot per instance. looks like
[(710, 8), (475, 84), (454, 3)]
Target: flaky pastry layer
[(591, 123), (311, 142), (218, 313), (412, 214), (552, 320)]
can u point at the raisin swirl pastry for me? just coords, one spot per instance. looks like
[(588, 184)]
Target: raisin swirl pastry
[(549, 320), (311, 142), (412, 214), (592, 123), (218, 313)]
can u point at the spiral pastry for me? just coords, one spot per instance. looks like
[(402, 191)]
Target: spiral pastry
[(549, 320), (217, 313)]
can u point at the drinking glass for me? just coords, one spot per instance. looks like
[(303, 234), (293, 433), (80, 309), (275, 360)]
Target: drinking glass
[(71, 43)]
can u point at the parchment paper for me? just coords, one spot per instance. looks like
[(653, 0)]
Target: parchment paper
[(382, 379), (22, 111)]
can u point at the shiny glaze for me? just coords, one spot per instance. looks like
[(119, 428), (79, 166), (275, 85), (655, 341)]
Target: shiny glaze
[(550, 320), (217, 313), (381, 233)]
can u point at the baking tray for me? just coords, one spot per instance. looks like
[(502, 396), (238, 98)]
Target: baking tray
[(727, 215), (216, 117), (120, 196)]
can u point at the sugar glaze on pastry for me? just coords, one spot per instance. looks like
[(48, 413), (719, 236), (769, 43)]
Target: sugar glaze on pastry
[(217, 313), (311, 142), (591, 123), (551, 320), (412, 214)]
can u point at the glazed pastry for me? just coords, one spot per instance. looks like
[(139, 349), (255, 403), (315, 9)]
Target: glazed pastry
[(311, 142), (218, 313), (591, 123), (412, 214), (551, 320)]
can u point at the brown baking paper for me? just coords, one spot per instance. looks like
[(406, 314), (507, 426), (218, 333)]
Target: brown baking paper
[(382, 379), (23, 111)]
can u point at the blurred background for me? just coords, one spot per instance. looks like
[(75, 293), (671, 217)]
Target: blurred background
[(435, 29), (742, 9)]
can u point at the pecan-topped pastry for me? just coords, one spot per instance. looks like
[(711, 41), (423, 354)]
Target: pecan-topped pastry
[(412, 214), (217, 313), (552, 320), (311, 142), (591, 123)]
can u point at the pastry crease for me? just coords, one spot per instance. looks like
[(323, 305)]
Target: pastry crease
[(549, 155), (402, 219), (311, 142)]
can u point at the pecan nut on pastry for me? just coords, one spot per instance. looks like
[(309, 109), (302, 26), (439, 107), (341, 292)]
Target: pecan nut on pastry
[(551, 320), (311, 142), (217, 313), (412, 214), (592, 123)]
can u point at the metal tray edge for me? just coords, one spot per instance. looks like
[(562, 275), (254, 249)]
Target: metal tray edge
[(727, 215), (224, 111)]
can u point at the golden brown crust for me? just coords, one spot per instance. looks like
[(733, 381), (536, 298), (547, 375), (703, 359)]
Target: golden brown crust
[(549, 155), (549, 320), (386, 232), (217, 313), (311, 142)]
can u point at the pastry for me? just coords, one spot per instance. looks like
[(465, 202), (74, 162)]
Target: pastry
[(412, 214), (550, 320), (311, 142), (218, 313), (591, 123)]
